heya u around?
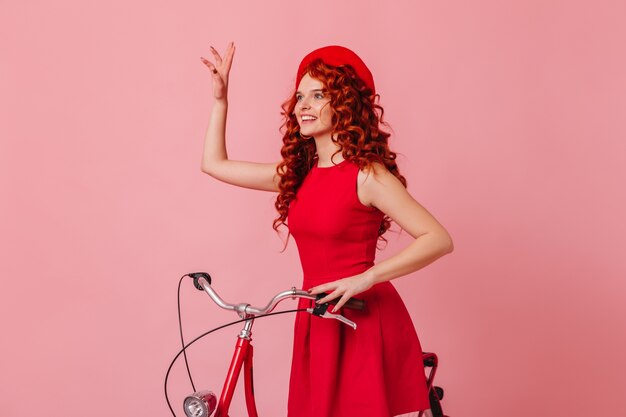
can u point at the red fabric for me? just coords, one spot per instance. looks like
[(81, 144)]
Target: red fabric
[(337, 55), (377, 369)]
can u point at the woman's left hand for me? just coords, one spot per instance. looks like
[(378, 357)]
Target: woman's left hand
[(344, 288)]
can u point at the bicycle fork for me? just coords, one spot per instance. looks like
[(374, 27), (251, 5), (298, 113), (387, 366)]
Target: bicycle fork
[(203, 403)]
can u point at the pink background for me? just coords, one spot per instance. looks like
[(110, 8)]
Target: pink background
[(510, 120)]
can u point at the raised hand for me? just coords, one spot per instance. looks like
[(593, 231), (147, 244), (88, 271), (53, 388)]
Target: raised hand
[(220, 70)]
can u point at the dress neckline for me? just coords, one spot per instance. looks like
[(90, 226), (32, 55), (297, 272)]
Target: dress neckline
[(332, 166)]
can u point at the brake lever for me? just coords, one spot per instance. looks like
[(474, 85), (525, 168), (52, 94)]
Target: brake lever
[(321, 310), (340, 318)]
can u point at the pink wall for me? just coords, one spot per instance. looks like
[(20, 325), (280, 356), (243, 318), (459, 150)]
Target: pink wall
[(510, 119)]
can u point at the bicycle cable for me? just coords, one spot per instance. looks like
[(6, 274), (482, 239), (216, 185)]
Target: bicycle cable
[(185, 346), (182, 340)]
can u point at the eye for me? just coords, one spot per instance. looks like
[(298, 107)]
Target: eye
[(319, 95), (298, 97)]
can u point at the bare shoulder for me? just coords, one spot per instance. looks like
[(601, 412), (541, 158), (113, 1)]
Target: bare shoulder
[(377, 187), (374, 182)]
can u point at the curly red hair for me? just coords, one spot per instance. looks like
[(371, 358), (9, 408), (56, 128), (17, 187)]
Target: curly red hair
[(356, 120)]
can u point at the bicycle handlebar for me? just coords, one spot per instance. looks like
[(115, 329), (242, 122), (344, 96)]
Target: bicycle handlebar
[(202, 281)]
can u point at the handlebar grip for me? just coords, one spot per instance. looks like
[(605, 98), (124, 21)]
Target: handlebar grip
[(198, 275), (352, 303)]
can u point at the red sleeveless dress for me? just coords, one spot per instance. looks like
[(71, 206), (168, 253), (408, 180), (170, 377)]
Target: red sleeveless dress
[(377, 369)]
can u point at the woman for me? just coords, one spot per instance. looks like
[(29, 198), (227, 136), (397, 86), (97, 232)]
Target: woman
[(338, 188)]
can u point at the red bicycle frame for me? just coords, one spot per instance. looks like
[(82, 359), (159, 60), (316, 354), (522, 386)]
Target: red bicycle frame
[(241, 358), (204, 403)]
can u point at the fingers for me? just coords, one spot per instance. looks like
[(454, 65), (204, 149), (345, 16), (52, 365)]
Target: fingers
[(228, 56), (210, 65), (344, 288), (317, 290), (230, 53), (216, 75), (331, 286), (344, 299), (345, 296), (222, 65), (329, 297), (218, 58)]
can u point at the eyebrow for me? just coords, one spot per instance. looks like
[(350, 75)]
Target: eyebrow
[(317, 89)]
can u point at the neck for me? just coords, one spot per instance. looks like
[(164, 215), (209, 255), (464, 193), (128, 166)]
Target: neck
[(325, 148)]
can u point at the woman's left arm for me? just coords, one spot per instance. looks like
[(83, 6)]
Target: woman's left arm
[(381, 189)]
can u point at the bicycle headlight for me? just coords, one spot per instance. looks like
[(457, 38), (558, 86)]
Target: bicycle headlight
[(200, 404)]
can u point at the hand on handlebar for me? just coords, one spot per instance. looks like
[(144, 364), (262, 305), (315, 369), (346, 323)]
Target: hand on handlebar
[(345, 288), (202, 281)]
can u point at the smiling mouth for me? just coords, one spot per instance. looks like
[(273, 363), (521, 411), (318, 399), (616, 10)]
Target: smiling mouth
[(308, 118)]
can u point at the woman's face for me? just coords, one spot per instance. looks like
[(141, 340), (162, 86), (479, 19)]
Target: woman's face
[(313, 109)]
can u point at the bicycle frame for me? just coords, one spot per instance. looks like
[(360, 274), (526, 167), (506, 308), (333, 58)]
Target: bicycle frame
[(203, 403), (241, 358)]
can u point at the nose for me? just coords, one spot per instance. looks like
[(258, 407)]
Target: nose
[(304, 103)]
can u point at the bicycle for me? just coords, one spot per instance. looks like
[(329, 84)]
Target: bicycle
[(203, 403)]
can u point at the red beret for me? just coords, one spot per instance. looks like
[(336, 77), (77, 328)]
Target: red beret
[(337, 55)]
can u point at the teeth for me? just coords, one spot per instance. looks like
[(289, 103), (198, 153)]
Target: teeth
[(308, 118)]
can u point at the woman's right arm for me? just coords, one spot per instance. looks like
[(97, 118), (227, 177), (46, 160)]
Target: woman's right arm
[(215, 162)]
